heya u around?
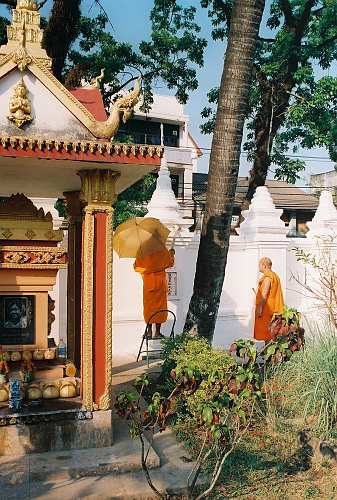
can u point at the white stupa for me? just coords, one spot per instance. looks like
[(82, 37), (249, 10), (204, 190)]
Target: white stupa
[(325, 221), (262, 220), (163, 204)]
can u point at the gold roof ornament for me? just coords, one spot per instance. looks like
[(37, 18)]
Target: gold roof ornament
[(24, 51), (19, 105), (25, 32), (27, 5)]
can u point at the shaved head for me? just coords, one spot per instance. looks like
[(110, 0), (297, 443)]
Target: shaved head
[(266, 261)]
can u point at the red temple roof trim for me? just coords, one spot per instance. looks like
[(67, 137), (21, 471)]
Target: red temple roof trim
[(91, 98), (107, 152)]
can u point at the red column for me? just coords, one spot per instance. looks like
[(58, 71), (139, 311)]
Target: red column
[(98, 191)]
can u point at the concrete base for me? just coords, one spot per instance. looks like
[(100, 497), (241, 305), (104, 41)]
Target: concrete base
[(58, 435)]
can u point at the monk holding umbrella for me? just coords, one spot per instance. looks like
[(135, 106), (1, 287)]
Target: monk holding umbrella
[(144, 239)]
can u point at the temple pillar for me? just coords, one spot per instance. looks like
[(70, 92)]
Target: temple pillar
[(75, 210), (98, 193)]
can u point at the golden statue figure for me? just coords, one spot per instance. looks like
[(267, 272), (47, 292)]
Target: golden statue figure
[(19, 105)]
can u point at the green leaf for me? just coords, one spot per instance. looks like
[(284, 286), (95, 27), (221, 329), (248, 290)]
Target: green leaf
[(207, 414)]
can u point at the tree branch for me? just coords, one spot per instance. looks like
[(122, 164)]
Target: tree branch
[(317, 12), (10, 3), (288, 13), (261, 78), (304, 19), (41, 4), (263, 39)]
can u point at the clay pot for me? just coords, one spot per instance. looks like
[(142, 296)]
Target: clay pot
[(51, 391), (68, 389), (4, 394), (6, 356), (49, 354), (34, 392), (16, 356), (38, 355), (27, 355)]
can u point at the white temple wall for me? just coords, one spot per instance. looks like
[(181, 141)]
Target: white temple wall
[(236, 311), (237, 305)]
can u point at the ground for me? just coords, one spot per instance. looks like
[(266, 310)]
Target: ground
[(269, 464)]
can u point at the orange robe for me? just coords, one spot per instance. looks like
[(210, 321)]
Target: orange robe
[(274, 304), (152, 268)]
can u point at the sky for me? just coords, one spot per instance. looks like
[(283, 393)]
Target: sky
[(131, 24)]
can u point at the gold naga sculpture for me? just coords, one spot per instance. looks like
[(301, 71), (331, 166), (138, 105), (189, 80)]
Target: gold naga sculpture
[(122, 109), (19, 105), (96, 82)]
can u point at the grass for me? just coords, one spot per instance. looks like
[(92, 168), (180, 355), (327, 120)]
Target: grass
[(307, 385), (270, 465)]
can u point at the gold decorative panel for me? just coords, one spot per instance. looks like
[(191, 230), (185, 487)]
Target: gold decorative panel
[(19, 106)]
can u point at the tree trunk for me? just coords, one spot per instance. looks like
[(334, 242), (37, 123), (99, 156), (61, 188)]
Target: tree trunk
[(61, 32), (224, 167), (268, 121)]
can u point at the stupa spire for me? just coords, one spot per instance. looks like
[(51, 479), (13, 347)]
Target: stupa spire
[(27, 5)]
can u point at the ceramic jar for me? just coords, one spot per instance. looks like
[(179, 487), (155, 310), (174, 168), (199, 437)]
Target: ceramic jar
[(38, 355), (34, 392), (49, 354), (4, 394), (27, 355), (16, 356), (68, 389), (51, 391)]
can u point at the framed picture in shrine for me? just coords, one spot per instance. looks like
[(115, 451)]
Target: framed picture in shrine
[(17, 319)]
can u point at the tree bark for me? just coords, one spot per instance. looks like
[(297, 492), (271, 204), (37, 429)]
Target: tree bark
[(224, 167), (61, 32)]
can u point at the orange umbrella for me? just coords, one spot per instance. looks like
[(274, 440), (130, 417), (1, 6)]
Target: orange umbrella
[(140, 236)]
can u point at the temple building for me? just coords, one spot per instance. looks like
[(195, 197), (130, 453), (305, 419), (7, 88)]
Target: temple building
[(58, 143)]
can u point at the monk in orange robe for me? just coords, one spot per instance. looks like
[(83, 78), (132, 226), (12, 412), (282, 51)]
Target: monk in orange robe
[(152, 268), (269, 300)]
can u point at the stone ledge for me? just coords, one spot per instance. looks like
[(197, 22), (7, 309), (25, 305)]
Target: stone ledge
[(59, 435)]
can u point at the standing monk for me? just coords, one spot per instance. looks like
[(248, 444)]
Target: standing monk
[(152, 268), (269, 300)]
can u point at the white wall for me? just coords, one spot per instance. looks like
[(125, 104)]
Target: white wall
[(236, 312)]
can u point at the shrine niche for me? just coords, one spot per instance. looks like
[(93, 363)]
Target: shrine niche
[(30, 257)]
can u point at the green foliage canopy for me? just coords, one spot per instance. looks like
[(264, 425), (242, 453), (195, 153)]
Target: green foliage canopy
[(289, 106)]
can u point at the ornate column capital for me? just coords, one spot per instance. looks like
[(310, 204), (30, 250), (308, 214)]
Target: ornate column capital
[(98, 187)]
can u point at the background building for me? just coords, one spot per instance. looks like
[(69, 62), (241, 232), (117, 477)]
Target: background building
[(167, 125), (298, 206)]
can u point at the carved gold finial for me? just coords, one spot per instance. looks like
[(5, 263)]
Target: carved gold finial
[(25, 36), (19, 105), (27, 5)]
